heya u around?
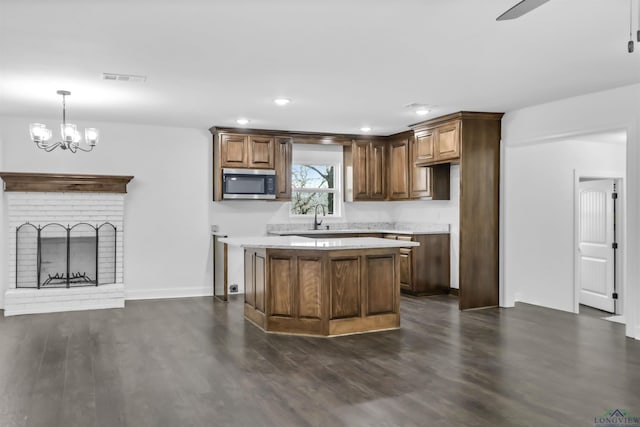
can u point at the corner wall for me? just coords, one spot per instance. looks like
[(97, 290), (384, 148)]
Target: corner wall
[(539, 185), (616, 109)]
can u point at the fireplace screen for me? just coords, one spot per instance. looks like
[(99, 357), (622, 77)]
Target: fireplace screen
[(55, 256)]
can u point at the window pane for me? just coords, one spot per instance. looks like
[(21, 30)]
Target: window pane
[(312, 176), (304, 202)]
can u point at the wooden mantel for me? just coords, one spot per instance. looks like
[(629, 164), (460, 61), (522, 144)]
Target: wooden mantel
[(62, 183)]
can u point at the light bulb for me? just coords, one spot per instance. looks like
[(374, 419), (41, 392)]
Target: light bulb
[(91, 136), (39, 132), (68, 132)]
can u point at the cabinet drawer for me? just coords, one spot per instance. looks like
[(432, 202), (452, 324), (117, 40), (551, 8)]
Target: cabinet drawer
[(405, 238), (391, 236)]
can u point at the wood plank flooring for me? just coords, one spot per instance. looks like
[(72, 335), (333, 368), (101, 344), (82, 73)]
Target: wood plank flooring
[(196, 362)]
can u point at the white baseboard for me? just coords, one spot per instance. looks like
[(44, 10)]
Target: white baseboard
[(140, 294), (63, 308), (54, 300)]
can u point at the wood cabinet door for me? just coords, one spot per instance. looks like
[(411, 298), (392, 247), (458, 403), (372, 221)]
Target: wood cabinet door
[(420, 177), (344, 287), (233, 151), (406, 263), (261, 150), (283, 160), (249, 278), (399, 169), (361, 150), (378, 171), (424, 146), (260, 280), (281, 285), (448, 141), (379, 284)]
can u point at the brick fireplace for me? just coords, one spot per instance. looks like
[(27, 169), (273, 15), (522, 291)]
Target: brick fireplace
[(40, 200)]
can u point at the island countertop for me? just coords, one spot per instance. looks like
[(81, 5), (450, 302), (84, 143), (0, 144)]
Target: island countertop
[(297, 242)]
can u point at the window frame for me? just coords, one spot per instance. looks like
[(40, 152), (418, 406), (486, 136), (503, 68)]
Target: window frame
[(337, 190)]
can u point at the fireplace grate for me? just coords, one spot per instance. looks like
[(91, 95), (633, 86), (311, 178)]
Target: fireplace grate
[(61, 278), (55, 256)]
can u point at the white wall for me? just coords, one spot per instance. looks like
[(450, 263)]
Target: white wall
[(568, 118), (539, 183), (167, 243)]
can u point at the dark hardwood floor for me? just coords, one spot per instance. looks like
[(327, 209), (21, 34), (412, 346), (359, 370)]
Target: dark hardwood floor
[(195, 362)]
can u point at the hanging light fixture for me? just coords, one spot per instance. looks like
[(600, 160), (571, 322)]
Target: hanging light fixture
[(630, 44), (41, 135)]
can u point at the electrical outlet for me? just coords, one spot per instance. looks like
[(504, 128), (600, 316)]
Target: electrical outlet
[(233, 288)]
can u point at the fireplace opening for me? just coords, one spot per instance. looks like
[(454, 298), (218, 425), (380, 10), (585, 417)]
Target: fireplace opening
[(55, 256)]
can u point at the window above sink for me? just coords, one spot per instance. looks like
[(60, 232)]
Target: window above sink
[(316, 178)]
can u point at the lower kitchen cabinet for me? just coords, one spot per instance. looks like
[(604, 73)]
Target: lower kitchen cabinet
[(424, 270), (406, 262)]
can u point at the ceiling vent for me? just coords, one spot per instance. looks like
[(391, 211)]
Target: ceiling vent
[(124, 77)]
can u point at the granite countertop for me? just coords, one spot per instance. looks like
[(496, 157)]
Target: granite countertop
[(297, 242), (427, 229)]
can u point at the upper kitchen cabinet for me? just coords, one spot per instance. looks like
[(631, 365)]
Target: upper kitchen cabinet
[(283, 159), (261, 152), (399, 167), (447, 141), (424, 146), (234, 151), (368, 160), (246, 151), (437, 142), (378, 170), (408, 181), (421, 177)]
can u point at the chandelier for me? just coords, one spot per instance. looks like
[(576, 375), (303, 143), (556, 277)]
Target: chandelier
[(70, 137)]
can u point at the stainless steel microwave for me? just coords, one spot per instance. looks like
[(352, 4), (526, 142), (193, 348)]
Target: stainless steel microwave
[(248, 184)]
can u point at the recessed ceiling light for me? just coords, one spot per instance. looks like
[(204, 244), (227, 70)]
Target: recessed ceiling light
[(242, 121), (422, 111), (281, 101), (365, 129)]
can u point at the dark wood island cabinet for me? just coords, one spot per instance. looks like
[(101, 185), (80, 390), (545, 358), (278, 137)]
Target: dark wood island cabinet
[(323, 287)]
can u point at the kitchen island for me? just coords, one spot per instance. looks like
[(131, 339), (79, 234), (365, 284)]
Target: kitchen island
[(323, 287)]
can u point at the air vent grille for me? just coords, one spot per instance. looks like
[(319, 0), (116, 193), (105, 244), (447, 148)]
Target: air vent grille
[(124, 77)]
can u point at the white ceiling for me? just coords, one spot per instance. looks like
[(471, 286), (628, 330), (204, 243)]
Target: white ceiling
[(344, 63)]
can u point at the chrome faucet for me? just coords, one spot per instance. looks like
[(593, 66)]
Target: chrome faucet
[(316, 224)]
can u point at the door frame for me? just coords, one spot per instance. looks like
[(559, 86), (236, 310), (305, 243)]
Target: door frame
[(621, 227)]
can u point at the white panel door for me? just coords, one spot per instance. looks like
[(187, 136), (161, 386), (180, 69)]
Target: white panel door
[(595, 244)]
